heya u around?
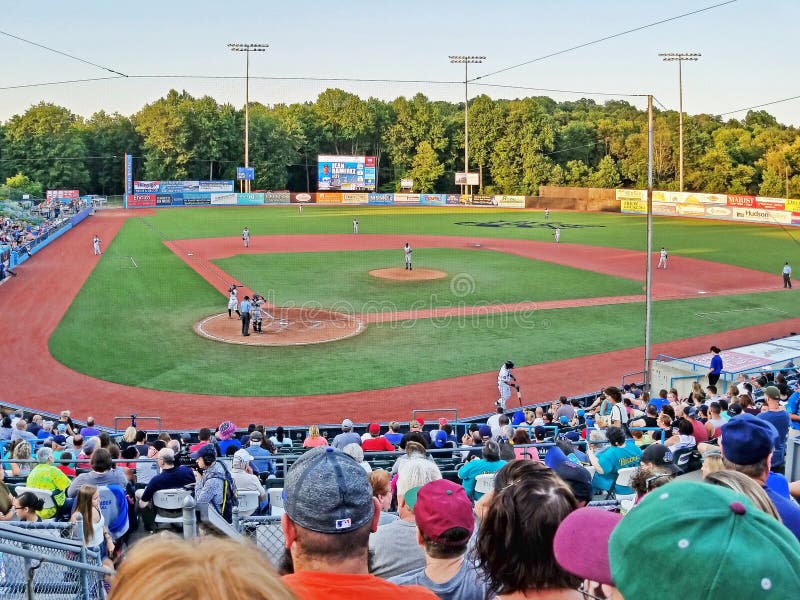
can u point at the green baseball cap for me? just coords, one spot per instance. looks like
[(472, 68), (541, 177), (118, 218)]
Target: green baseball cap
[(712, 541)]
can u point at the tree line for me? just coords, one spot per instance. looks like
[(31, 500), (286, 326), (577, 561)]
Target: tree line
[(516, 145)]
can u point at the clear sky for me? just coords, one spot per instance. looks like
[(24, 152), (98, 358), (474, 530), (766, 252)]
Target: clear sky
[(749, 50)]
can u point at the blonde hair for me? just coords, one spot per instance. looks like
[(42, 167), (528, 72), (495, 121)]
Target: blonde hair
[(22, 450), (380, 480), (741, 483), (130, 435), (84, 506), (713, 463), (166, 566), (313, 431)]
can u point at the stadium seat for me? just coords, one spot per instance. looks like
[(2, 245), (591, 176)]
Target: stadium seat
[(248, 502), (169, 506), (276, 497)]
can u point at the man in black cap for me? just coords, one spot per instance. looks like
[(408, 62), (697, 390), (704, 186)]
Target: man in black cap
[(330, 512)]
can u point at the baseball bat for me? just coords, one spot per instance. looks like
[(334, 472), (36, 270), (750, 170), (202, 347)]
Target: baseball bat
[(519, 396)]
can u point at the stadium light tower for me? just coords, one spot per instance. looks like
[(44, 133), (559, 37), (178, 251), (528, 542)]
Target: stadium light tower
[(680, 57), (247, 49), (466, 60)]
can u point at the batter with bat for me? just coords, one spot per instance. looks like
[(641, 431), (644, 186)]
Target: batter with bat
[(505, 381)]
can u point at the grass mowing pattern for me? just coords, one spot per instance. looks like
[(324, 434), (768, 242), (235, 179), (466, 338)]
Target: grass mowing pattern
[(134, 326), (341, 280)]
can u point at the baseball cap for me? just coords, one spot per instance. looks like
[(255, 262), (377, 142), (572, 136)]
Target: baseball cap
[(206, 451), (440, 438), (243, 456), (659, 455), (347, 423), (690, 411), (573, 436), (746, 439), (226, 430), (327, 491), (554, 456), (256, 436), (563, 419), (60, 440), (580, 545), (577, 478), (374, 428), (539, 431), (485, 431), (772, 392), (440, 506)]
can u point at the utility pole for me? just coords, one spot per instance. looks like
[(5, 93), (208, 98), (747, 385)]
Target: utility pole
[(680, 57), (466, 60)]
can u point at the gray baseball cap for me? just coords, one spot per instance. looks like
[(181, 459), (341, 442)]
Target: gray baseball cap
[(327, 491)]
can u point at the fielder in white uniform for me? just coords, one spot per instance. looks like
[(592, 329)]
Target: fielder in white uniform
[(407, 250), (546, 214), (233, 301), (355, 225), (246, 237), (505, 379), (557, 234), (96, 245), (662, 260)]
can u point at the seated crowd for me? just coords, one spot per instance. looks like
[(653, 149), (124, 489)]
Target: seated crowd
[(526, 504)]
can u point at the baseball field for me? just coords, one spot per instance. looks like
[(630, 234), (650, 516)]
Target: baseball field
[(120, 332)]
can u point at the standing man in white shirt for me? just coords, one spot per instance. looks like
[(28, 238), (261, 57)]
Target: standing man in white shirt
[(246, 237), (787, 275)]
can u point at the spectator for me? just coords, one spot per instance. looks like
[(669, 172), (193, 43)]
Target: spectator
[(280, 439), (314, 438), (715, 420), (648, 477), (494, 422), (65, 425), (357, 453), (170, 477), (659, 456), (348, 436), (87, 449), (64, 466), (698, 429), (215, 485), (128, 438), (21, 452), (20, 432), (330, 512), (776, 414), (620, 454), (712, 461), (45, 476), (415, 444), (747, 445), (683, 439), (709, 529), (575, 475), (35, 425), (24, 508), (5, 428), (94, 534), (141, 443), (90, 430), (102, 473), (618, 417), (521, 438), (380, 480), (204, 437), (741, 483), (442, 424), (244, 479), (445, 523), (262, 457), (793, 408), (207, 567), (489, 463), (395, 437), (394, 546), (515, 540), (226, 438), (45, 432), (376, 442)]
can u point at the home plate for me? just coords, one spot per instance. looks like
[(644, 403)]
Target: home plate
[(702, 292), (189, 254)]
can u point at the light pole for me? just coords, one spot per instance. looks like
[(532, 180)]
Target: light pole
[(466, 60), (247, 49), (680, 57)]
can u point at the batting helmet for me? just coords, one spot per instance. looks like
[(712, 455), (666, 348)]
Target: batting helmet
[(508, 364)]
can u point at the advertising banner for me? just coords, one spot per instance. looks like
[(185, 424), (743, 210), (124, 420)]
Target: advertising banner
[(145, 187), (245, 173), (128, 174), (510, 201), (249, 199), (196, 198), (467, 178), (216, 186), (329, 198), (223, 199), (796, 218), (382, 199), (302, 198), (631, 194), (662, 208), (164, 199), (353, 198), (63, 194), (694, 198), (792, 205), (634, 206), (482, 200), (345, 173), (770, 203), (142, 200), (758, 215), (432, 199), (741, 200), (191, 186), (277, 197), (174, 187), (718, 211), (453, 199), (690, 210), (406, 198)]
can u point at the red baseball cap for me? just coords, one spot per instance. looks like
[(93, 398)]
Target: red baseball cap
[(374, 428), (440, 506), (580, 545)]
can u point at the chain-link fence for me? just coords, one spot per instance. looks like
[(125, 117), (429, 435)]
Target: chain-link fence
[(39, 560), (264, 532)]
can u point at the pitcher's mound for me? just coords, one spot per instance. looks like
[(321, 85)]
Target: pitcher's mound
[(399, 274), (289, 327)]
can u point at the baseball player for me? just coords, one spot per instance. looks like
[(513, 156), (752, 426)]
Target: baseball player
[(355, 225), (96, 245), (557, 234), (233, 301), (246, 237), (546, 214), (407, 249), (505, 379), (255, 313), (662, 259)]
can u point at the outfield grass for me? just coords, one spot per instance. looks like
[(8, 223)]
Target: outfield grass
[(474, 278), (134, 325)]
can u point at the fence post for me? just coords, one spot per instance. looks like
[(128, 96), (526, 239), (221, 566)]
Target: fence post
[(189, 518), (235, 518)]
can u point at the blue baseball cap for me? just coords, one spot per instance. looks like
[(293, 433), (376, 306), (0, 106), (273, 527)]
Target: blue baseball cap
[(746, 439)]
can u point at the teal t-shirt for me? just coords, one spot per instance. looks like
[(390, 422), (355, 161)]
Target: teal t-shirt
[(612, 459)]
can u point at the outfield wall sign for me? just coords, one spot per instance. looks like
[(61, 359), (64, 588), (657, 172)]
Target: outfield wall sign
[(245, 173)]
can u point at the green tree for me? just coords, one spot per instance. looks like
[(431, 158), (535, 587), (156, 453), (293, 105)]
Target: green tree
[(46, 143), (606, 175), (274, 148), (486, 122), (19, 185), (165, 132), (109, 138), (425, 168), (577, 173)]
